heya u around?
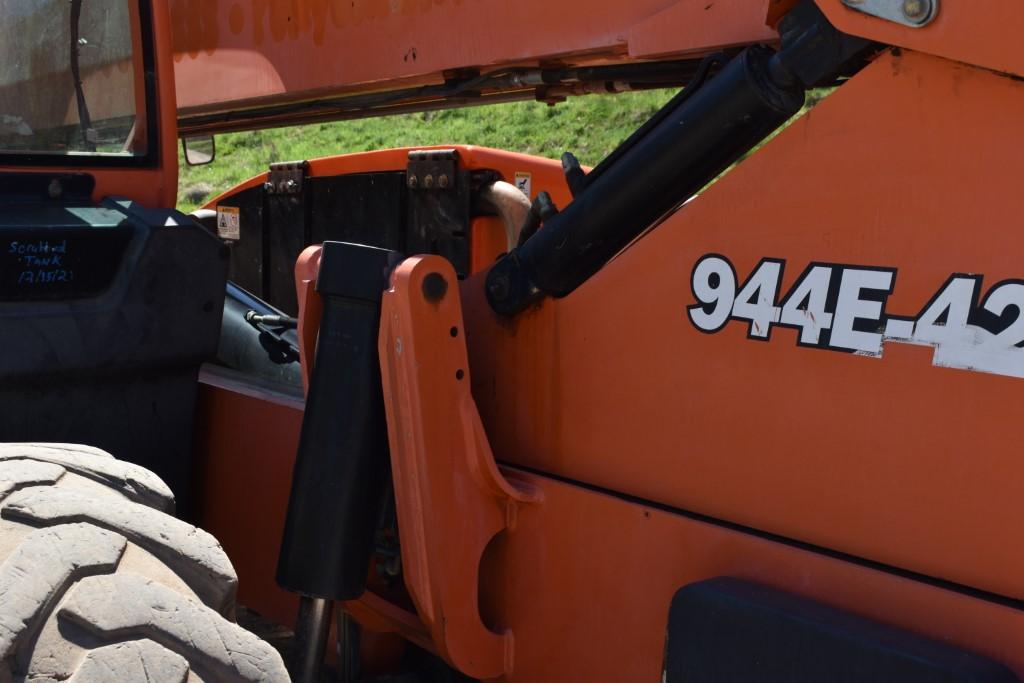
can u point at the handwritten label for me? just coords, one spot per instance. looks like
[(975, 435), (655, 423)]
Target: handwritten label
[(43, 262)]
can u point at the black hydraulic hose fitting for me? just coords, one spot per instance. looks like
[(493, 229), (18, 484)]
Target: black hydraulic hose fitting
[(342, 466)]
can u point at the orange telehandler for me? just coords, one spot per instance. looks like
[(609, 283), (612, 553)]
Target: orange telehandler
[(485, 416)]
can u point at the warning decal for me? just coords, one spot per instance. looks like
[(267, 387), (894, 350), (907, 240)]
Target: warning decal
[(843, 308), (229, 222), (524, 181)]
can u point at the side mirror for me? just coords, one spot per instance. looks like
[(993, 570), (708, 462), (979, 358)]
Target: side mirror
[(199, 151)]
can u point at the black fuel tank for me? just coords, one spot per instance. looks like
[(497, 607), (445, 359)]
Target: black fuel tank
[(106, 312)]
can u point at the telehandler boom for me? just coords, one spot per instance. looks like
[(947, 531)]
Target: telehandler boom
[(739, 403)]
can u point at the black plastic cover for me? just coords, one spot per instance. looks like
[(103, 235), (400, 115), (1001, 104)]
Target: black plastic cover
[(106, 313), (731, 630)]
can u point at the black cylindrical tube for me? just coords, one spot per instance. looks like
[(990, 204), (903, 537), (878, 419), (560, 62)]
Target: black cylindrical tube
[(691, 145), (342, 463)]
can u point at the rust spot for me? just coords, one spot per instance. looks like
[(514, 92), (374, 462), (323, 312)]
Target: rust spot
[(897, 61)]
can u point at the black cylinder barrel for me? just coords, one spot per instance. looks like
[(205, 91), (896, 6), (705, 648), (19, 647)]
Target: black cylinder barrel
[(342, 464), (691, 145)]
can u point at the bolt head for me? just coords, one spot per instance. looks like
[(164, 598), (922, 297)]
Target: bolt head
[(428, 181), (268, 186), (499, 286), (443, 181), (917, 10), (413, 182), (434, 287)]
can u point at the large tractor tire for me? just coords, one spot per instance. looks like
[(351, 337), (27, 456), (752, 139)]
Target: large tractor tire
[(99, 583)]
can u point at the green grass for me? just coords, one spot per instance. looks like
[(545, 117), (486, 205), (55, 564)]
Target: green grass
[(588, 126)]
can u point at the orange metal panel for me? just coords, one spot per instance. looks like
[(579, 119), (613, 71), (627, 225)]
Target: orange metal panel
[(982, 33), (233, 54), (700, 27), (579, 570), (487, 242), (584, 583), (914, 165), (245, 450)]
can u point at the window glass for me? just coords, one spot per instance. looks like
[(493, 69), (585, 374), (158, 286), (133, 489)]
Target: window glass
[(70, 78)]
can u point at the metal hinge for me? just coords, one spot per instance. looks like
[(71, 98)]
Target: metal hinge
[(912, 13), (432, 169), (286, 177)]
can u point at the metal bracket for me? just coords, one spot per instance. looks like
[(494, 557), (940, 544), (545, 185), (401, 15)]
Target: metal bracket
[(912, 13), (450, 495), (439, 203), (432, 169), (286, 177)]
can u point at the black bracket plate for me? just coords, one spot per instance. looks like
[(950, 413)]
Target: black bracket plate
[(286, 177), (440, 200)]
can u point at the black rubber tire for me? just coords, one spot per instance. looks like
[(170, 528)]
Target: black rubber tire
[(98, 582)]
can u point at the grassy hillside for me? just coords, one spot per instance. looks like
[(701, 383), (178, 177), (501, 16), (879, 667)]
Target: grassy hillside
[(588, 126)]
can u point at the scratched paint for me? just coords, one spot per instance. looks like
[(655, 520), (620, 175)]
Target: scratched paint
[(197, 27)]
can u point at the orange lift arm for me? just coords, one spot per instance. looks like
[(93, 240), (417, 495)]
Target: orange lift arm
[(275, 62), (240, 66)]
